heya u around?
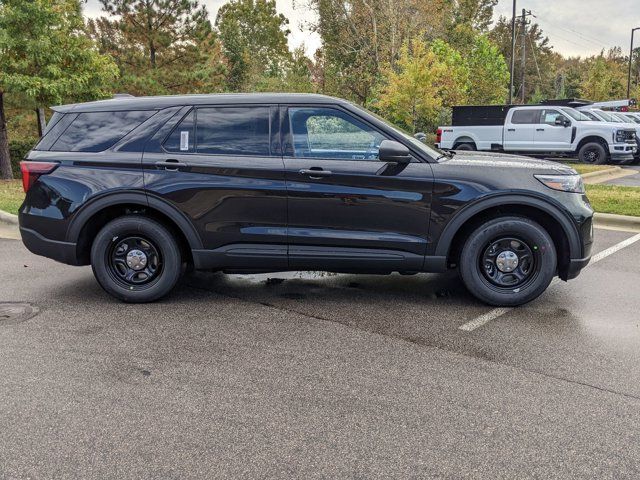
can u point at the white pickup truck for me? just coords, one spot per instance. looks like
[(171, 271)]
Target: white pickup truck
[(537, 129)]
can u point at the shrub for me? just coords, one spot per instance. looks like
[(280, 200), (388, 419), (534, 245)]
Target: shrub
[(18, 149)]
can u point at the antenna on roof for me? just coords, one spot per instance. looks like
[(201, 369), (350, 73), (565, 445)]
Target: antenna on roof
[(122, 95)]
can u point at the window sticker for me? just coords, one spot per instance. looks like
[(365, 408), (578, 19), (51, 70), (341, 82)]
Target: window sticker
[(184, 140)]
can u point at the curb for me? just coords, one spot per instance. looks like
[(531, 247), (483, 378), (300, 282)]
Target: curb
[(617, 222), (9, 218), (608, 174)]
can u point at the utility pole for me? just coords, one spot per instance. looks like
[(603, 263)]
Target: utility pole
[(513, 52), (525, 14), (630, 62)]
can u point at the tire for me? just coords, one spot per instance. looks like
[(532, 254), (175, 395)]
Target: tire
[(465, 146), (148, 246), (593, 153), (485, 269)]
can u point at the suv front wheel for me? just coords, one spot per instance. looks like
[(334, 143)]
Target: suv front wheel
[(508, 261), (136, 259)]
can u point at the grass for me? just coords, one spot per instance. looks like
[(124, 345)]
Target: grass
[(582, 169), (11, 195), (615, 199)]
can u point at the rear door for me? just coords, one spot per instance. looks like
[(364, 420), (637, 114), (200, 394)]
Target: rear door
[(346, 209), (221, 166), (548, 135), (519, 129)]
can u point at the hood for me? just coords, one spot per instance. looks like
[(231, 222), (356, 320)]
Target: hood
[(502, 160)]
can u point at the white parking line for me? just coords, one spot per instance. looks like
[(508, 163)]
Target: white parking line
[(498, 312)]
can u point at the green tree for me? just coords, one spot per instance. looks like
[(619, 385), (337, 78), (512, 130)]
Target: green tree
[(411, 94), (540, 60), (161, 46), (605, 77), (489, 79), (46, 58), (254, 39), (361, 38)]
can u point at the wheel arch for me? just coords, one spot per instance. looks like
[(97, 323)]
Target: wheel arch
[(96, 214), (593, 138), (552, 217), (464, 139)]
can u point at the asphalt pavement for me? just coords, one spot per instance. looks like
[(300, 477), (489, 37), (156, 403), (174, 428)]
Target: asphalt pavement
[(629, 181), (312, 375)]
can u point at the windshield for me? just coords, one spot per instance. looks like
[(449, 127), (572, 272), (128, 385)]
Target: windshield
[(591, 116), (621, 117), (576, 115), (633, 118), (607, 117), (417, 144)]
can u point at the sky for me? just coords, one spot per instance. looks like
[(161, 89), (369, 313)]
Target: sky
[(574, 27)]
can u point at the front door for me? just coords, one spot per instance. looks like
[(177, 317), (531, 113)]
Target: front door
[(346, 209), (221, 167), (552, 137)]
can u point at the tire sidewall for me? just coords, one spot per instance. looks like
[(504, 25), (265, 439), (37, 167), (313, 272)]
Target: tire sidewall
[(528, 231), (589, 146), (465, 147), (162, 239)]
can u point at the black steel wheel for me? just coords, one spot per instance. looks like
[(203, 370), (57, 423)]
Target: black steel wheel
[(508, 261), (136, 259), (134, 262), (593, 153)]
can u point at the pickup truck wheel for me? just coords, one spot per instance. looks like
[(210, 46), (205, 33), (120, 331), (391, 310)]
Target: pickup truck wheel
[(465, 146), (508, 261), (136, 259), (593, 153)]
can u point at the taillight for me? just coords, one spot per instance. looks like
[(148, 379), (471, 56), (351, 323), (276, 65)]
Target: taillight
[(31, 171), (439, 135)]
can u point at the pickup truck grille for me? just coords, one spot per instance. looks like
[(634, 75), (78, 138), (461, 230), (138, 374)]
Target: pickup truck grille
[(630, 136)]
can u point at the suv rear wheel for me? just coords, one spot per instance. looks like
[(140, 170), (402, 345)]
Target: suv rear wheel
[(136, 259), (508, 261)]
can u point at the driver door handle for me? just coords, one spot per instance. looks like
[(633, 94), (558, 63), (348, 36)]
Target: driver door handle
[(539, 129), (315, 172), (170, 164)]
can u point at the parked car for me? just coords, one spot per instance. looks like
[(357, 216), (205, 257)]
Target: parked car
[(139, 187), (537, 129), (628, 121)]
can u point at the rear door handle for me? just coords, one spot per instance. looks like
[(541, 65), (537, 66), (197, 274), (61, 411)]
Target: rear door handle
[(170, 164), (315, 173), (511, 129), (539, 129)]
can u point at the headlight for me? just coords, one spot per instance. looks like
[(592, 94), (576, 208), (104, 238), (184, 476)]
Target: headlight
[(564, 183)]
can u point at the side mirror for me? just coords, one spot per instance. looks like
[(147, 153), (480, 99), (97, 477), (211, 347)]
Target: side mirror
[(562, 122), (392, 151)]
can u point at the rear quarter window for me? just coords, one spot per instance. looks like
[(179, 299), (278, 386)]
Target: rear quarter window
[(97, 131), (526, 116)]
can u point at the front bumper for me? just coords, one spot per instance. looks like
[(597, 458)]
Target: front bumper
[(64, 252), (622, 152)]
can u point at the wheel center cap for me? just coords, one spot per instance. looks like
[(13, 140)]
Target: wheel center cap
[(136, 259), (507, 261)]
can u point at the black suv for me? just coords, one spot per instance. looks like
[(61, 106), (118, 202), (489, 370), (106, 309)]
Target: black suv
[(140, 188)]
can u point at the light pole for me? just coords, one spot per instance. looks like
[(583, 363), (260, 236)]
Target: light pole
[(630, 61), (513, 51)]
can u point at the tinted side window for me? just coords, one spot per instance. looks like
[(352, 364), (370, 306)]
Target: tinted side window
[(526, 116), (182, 139), (233, 131), (549, 116), (333, 134), (95, 132)]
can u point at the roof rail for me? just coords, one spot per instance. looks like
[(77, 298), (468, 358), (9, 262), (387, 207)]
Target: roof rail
[(122, 95)]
